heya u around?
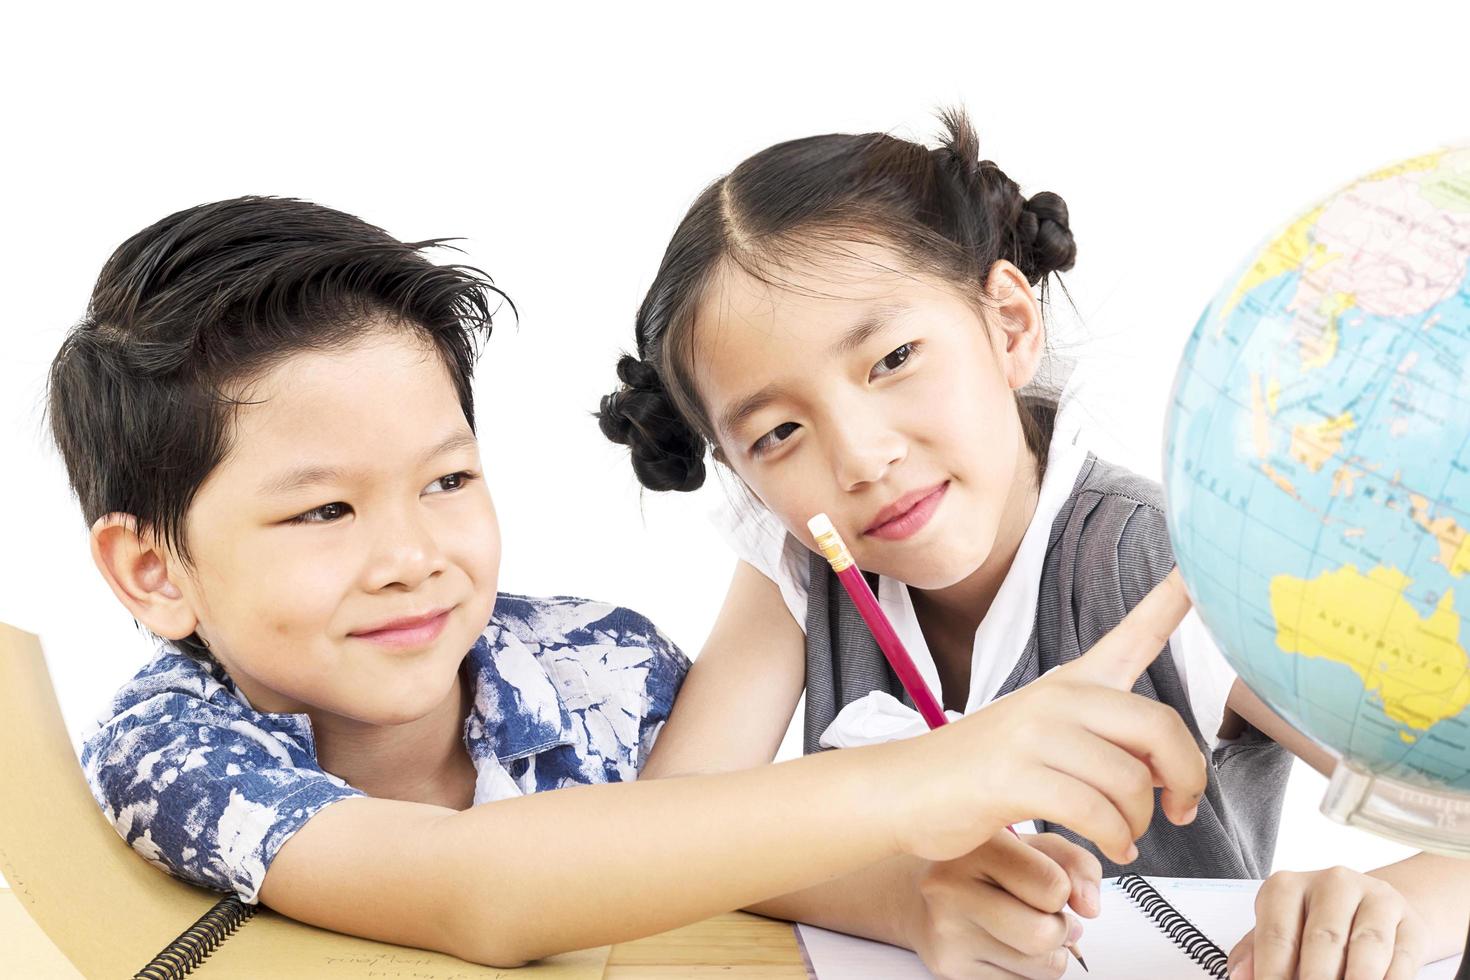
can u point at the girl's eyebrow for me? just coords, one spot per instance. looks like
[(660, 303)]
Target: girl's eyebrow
[(308, 476), (871, 322), (868, 324), (737, 413)]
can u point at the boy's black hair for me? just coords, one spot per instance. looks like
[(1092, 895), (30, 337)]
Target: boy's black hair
[(191, 309)]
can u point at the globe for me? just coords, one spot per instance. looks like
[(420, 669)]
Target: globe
[(1317, 478)]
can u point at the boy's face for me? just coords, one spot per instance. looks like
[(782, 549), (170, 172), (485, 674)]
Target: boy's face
[(352, 497)]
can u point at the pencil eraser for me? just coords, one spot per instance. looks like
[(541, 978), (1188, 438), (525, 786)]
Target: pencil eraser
[(820, 525)]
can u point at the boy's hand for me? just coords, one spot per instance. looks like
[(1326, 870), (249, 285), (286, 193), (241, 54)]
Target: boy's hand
[(1001, 906), (1074, 748), (1332, 923)]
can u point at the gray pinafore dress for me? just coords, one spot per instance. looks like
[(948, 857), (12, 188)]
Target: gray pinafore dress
[(1108, 547)]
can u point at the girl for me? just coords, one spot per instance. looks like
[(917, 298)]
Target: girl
[(850, 322)]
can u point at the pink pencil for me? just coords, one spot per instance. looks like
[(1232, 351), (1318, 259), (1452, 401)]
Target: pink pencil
[(830, 543), (837, 555)]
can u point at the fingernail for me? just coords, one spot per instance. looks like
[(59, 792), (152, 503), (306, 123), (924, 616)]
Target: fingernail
[(1193, 812), (1090, 897), (1074, 930), (1131, 854)]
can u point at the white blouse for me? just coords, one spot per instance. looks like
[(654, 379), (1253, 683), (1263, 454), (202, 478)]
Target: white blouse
[(759, 539)]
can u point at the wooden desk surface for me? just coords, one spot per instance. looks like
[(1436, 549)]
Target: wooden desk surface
[(732, 945)]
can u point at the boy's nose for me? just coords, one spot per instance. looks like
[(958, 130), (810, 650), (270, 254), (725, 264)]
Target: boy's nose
[(407, 555)]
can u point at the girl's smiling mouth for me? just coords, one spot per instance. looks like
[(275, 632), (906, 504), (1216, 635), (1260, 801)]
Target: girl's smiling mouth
[(907, 515)]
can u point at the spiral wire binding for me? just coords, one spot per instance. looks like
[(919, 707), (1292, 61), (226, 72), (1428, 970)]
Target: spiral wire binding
[(182, 955), (1195, 944)]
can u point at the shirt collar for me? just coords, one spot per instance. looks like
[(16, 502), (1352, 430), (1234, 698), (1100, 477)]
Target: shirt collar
[(517, 710)]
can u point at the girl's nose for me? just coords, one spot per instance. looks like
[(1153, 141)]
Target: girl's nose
[(863, 454)]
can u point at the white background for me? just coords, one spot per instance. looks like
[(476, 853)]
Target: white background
[(564, 148)]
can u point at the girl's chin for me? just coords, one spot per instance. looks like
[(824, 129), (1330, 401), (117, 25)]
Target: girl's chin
[(932, 576)]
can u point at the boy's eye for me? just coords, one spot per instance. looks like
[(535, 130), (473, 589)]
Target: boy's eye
[(774, 438), (324, 514), (330, 513), (893, 361), (451, 482)]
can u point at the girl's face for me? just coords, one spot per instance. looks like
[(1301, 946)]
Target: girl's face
[(352, 498), (878, 396)]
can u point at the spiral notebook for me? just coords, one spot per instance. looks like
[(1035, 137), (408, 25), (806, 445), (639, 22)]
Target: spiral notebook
[(112, 915), (1162, 928)]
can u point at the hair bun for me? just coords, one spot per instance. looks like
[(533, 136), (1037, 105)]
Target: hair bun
[(1044, 232), (667, 454)]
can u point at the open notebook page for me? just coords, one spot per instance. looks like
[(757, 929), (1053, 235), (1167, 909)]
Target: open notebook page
[(1120, 944)]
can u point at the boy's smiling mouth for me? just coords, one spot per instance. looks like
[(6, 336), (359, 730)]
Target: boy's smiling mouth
[(907, 515), (407, 632)]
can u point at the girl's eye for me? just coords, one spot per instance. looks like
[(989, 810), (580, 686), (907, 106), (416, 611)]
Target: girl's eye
[(893, 361), (774, 438), (331, 513)]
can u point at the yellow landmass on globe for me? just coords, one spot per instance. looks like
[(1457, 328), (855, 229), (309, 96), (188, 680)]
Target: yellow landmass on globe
[(1318, 341), (1428, 161), (1315, 444), (1414, 663), (1261, 413), (1454, 541), (1292, 249), (1281, 480)]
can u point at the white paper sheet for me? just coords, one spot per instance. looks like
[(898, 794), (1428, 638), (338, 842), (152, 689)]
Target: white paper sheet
[(1121, 944)]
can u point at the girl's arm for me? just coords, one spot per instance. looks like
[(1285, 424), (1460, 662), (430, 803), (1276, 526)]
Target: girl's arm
[(738, 699), (511, 881), (1423, 914)]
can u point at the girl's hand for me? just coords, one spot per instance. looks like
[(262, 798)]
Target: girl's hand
[(1073, 748), (1333, 923), (997, 911)]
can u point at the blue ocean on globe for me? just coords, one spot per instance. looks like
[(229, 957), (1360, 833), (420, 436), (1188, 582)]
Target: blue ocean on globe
[(1317, 471)]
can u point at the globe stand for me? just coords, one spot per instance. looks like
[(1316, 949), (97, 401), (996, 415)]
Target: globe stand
[(1411, 814)]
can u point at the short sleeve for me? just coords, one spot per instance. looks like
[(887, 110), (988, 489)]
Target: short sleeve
[(207, 797), (762, 541), (644, 657), (667, 668)]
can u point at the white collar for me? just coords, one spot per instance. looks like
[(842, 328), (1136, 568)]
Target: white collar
[(1002, 635)]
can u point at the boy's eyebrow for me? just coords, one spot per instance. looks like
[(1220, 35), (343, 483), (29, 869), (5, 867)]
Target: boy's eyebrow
[(307, 476)]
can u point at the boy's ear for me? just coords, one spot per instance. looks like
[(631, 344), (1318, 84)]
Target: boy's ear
[(1023, 339), (136, 568)]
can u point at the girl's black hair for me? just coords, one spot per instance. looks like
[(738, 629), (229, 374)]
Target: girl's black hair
[(191, 309), (946, 210)]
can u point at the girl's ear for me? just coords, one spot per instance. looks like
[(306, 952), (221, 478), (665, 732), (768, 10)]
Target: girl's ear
[(1022, 339), (137, 570)]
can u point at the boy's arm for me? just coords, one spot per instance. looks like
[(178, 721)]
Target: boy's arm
[(732, 713), (515, 880)]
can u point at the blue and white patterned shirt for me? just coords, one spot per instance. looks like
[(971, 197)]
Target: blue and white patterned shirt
[(566, 692)]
